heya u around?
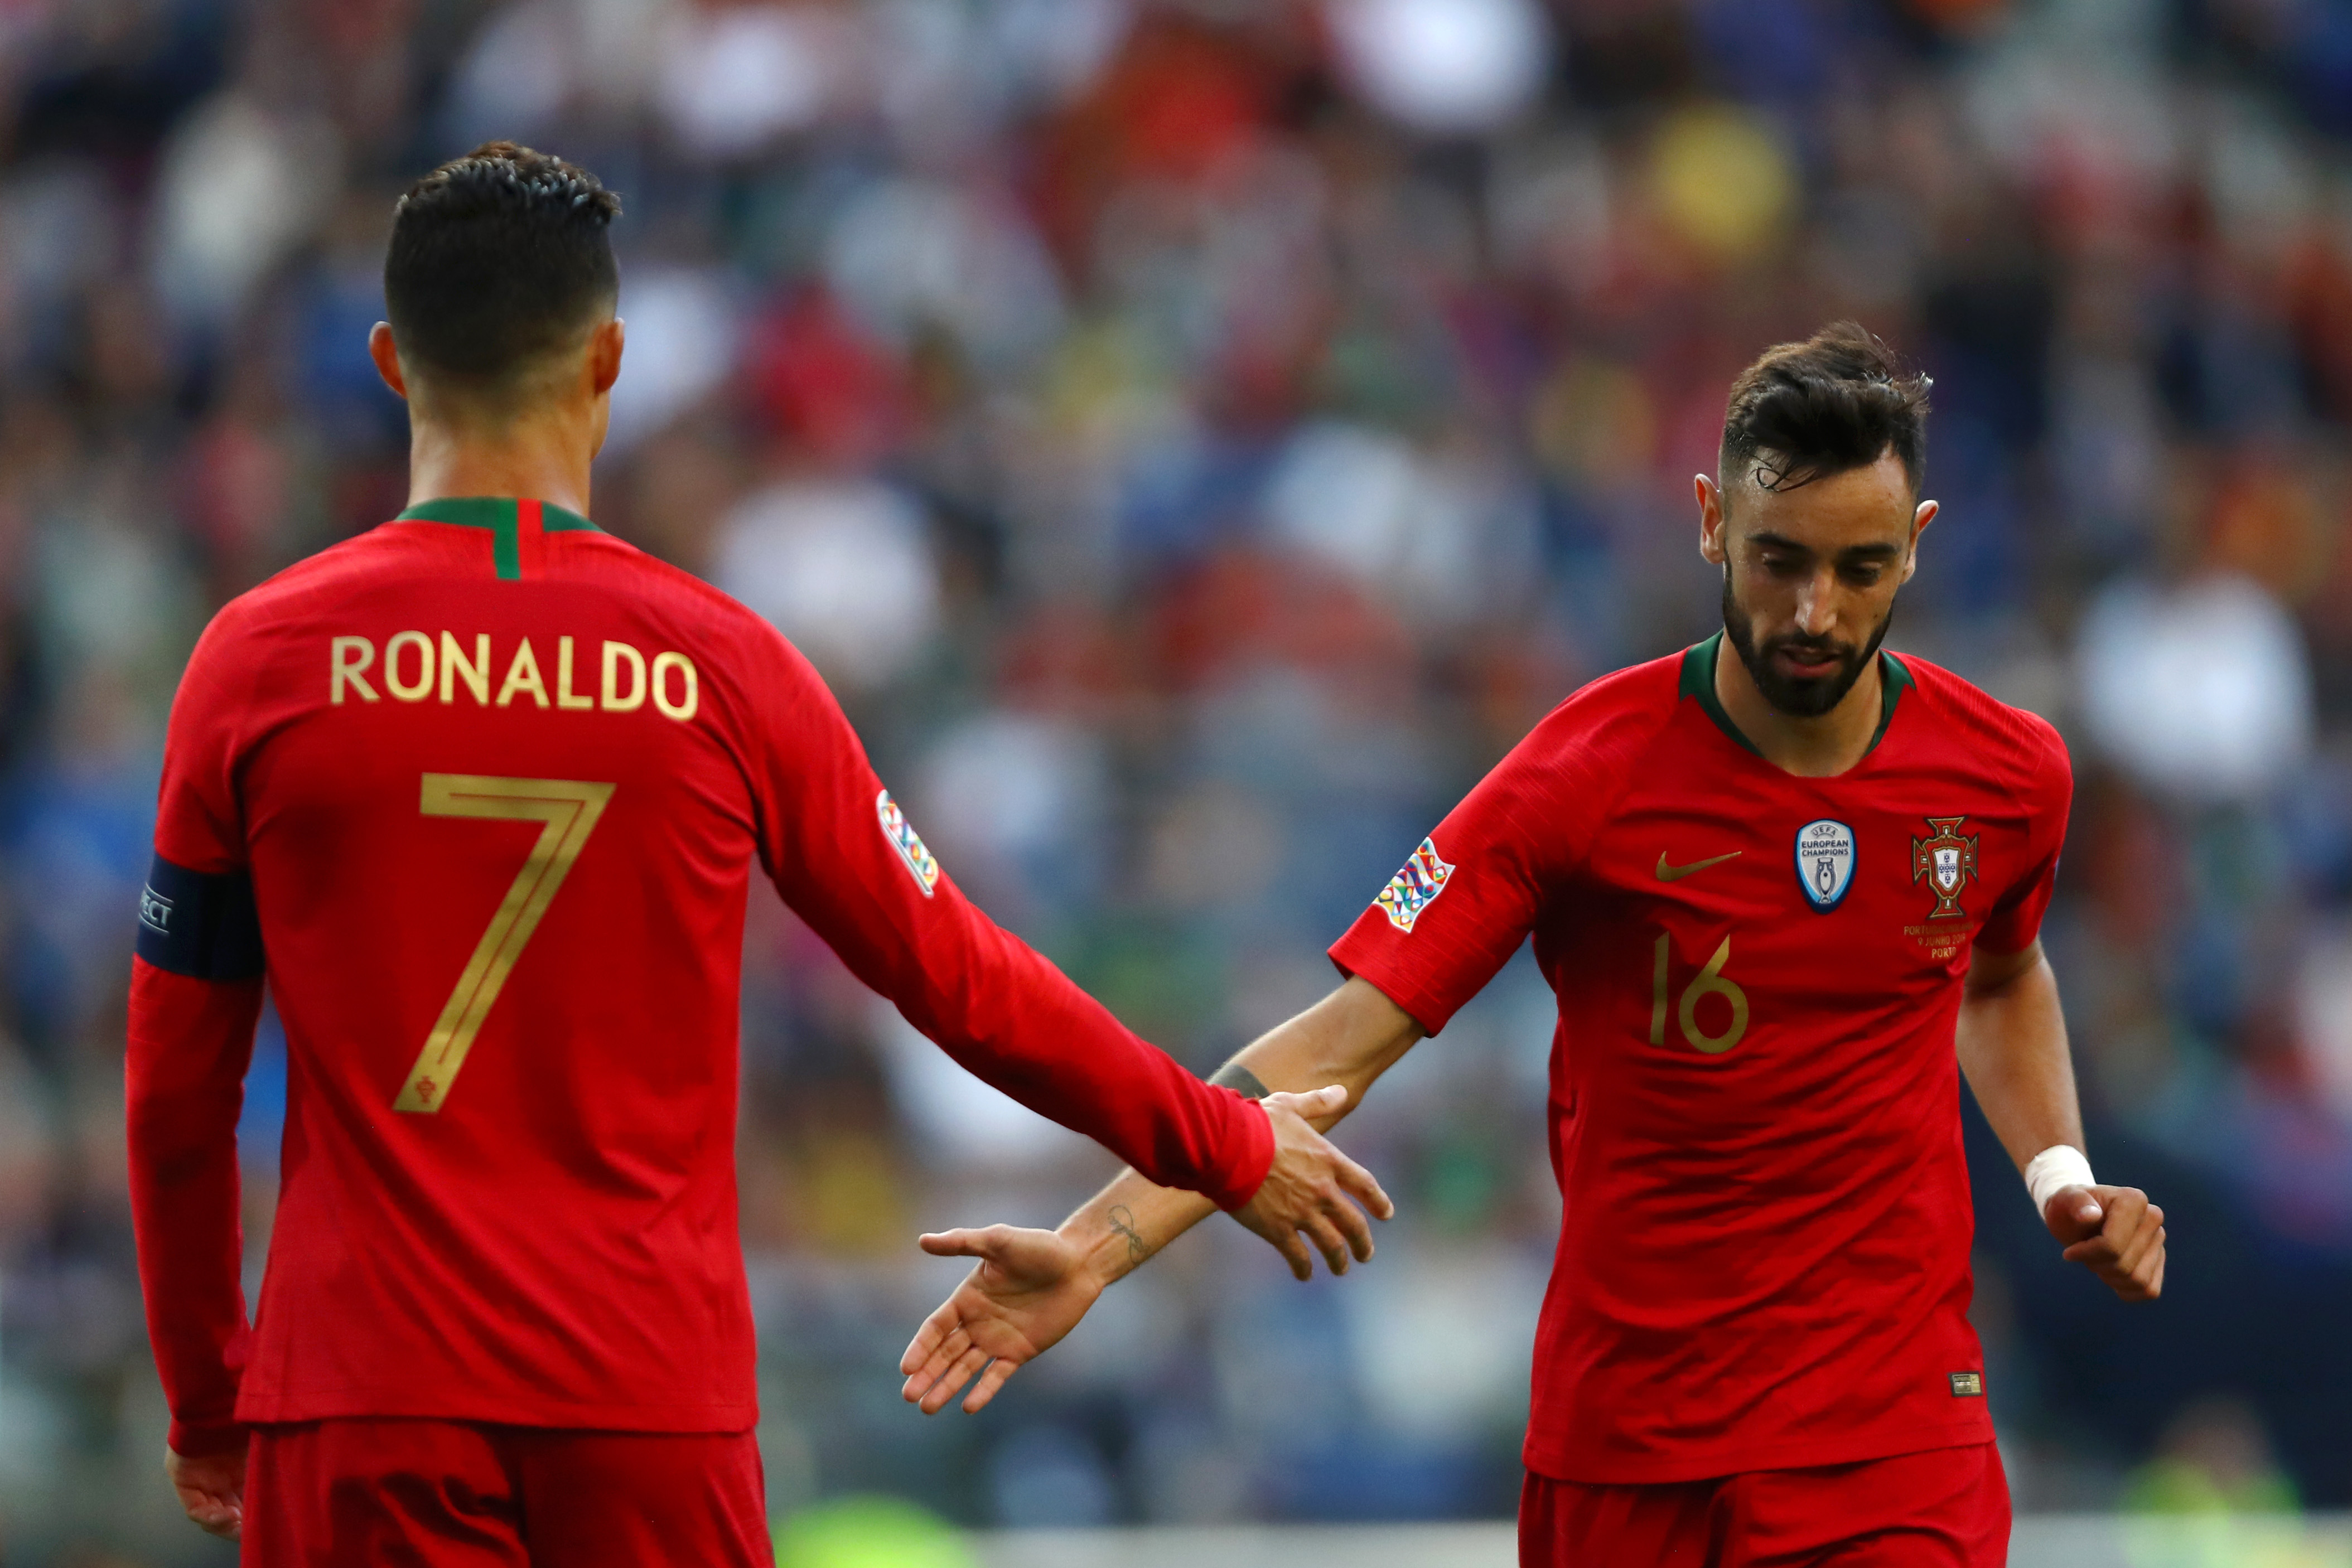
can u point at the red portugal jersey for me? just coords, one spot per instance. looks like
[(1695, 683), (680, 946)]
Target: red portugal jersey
[(482, 789), (1763, 1259)]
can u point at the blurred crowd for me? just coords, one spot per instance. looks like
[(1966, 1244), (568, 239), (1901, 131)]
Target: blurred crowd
[(1197, 438)]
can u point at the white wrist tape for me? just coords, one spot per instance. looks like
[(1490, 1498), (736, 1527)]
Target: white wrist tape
[(2054, 1169)]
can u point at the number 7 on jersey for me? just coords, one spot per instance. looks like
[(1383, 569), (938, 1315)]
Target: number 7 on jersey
[(570, 809)]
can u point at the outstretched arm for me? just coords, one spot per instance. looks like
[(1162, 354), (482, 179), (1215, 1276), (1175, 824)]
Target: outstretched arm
[(1031, 1286), (2012, 1046)]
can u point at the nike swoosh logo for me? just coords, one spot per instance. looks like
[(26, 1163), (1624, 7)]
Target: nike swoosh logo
[(1676, 872)]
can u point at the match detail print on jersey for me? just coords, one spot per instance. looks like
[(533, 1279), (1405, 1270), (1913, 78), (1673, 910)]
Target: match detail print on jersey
[(1414, 888), (907, 842), (1824, 862), (570, 808)]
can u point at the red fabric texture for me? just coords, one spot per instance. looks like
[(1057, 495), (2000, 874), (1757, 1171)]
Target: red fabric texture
[(1944, 1508), (1764, 1246), (555, 1242), (443, 1494)]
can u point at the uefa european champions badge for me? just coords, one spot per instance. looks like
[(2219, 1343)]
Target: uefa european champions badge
[(1824, 862), (907, 842)]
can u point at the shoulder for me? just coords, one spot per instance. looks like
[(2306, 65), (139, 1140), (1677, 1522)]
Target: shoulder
[(1607, 722), (1578, 762), (2022, 746)]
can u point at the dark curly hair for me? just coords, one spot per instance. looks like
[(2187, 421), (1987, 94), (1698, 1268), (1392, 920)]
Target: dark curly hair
[(497, 258), (1838, 400)]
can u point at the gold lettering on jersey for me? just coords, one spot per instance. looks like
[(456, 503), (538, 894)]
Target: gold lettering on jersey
[(1710, 981), (522, 675), (475, 673), (564, 695), (615, 653), (684, 707), (567, 811), (392, 681), (348, 659), (669, 679)]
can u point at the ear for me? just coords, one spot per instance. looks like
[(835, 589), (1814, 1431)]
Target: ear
[(1711, 542), (604, 346), (1919, 521), (387, 359)]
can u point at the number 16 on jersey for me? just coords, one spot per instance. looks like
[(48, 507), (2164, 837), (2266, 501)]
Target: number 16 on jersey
[(1709, 981)]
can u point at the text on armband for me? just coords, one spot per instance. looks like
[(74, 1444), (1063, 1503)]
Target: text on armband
[(626, 679)]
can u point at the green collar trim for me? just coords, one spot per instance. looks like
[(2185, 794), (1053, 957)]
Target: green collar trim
[(1699, 681), (500, 515)]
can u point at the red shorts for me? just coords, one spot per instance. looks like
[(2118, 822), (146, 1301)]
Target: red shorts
[(1947, 1507), (330, 1494)]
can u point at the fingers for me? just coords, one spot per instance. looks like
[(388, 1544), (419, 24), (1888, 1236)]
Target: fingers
[(942, 1339), (1358, 1184), (2128, 1252), (1356, 1228), (935, 1399), (1328, 1100), (990, 1382), (990, 1241)]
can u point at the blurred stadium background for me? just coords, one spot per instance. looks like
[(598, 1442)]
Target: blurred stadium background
[(1197, 439)]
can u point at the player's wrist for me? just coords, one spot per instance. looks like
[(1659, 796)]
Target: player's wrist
[(1109, 1248), (2052, 1171)]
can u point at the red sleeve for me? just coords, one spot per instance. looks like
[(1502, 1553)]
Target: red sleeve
[(843, 856), (190, 1037), (2048, 795), (1471, 893), (184, 1086)]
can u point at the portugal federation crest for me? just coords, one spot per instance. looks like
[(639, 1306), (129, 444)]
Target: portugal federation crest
[(1824, 862), (1946, 861)]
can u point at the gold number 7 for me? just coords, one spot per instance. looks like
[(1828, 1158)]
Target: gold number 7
[(570, 809)]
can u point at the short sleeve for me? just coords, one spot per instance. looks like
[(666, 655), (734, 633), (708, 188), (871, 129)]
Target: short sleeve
[(2047, 796), (1476, 886)]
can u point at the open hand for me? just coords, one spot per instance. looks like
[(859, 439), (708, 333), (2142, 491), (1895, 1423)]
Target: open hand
[(211, 1489), (1031, 1289), (2114, 1232), (1307, 1189)]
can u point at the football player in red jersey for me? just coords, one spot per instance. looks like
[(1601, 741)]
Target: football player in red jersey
[(480, 793), (1784, 884)]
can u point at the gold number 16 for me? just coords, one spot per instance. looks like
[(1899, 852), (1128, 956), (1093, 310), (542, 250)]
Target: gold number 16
[(570, 809), (1709, 981)]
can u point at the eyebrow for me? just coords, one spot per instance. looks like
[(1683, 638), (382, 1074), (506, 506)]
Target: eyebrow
[(1853, 553)]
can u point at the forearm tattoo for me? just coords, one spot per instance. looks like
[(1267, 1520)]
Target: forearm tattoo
[(1241, 1080), (1122, 1219)]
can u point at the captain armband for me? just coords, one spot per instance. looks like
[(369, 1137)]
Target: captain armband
[(200, 924), (2052, 1171)]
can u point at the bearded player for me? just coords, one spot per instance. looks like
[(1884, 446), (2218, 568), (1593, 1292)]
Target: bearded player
[(1782, 883), (480, 793)]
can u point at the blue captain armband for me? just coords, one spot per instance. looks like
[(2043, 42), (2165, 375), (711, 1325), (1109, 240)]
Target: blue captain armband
[(200, 924)]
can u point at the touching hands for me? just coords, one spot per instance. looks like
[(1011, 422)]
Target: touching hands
[(1309, 1186), (1031, 1286), (211, 1489), (2114, 1232)]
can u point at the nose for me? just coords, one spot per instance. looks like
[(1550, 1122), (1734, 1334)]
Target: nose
[(1817, 604)]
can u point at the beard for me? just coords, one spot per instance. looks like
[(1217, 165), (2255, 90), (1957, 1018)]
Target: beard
[(1808, 697)]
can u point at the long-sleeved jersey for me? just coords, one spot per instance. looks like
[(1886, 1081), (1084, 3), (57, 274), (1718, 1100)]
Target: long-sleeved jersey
[(1763, 1257), (477, 794)]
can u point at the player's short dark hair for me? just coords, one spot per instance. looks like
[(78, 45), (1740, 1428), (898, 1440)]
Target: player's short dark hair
[(1838, 400), (497, 258)]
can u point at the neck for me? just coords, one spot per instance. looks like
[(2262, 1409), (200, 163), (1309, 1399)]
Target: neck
[(545, 456), (1820, 747)]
